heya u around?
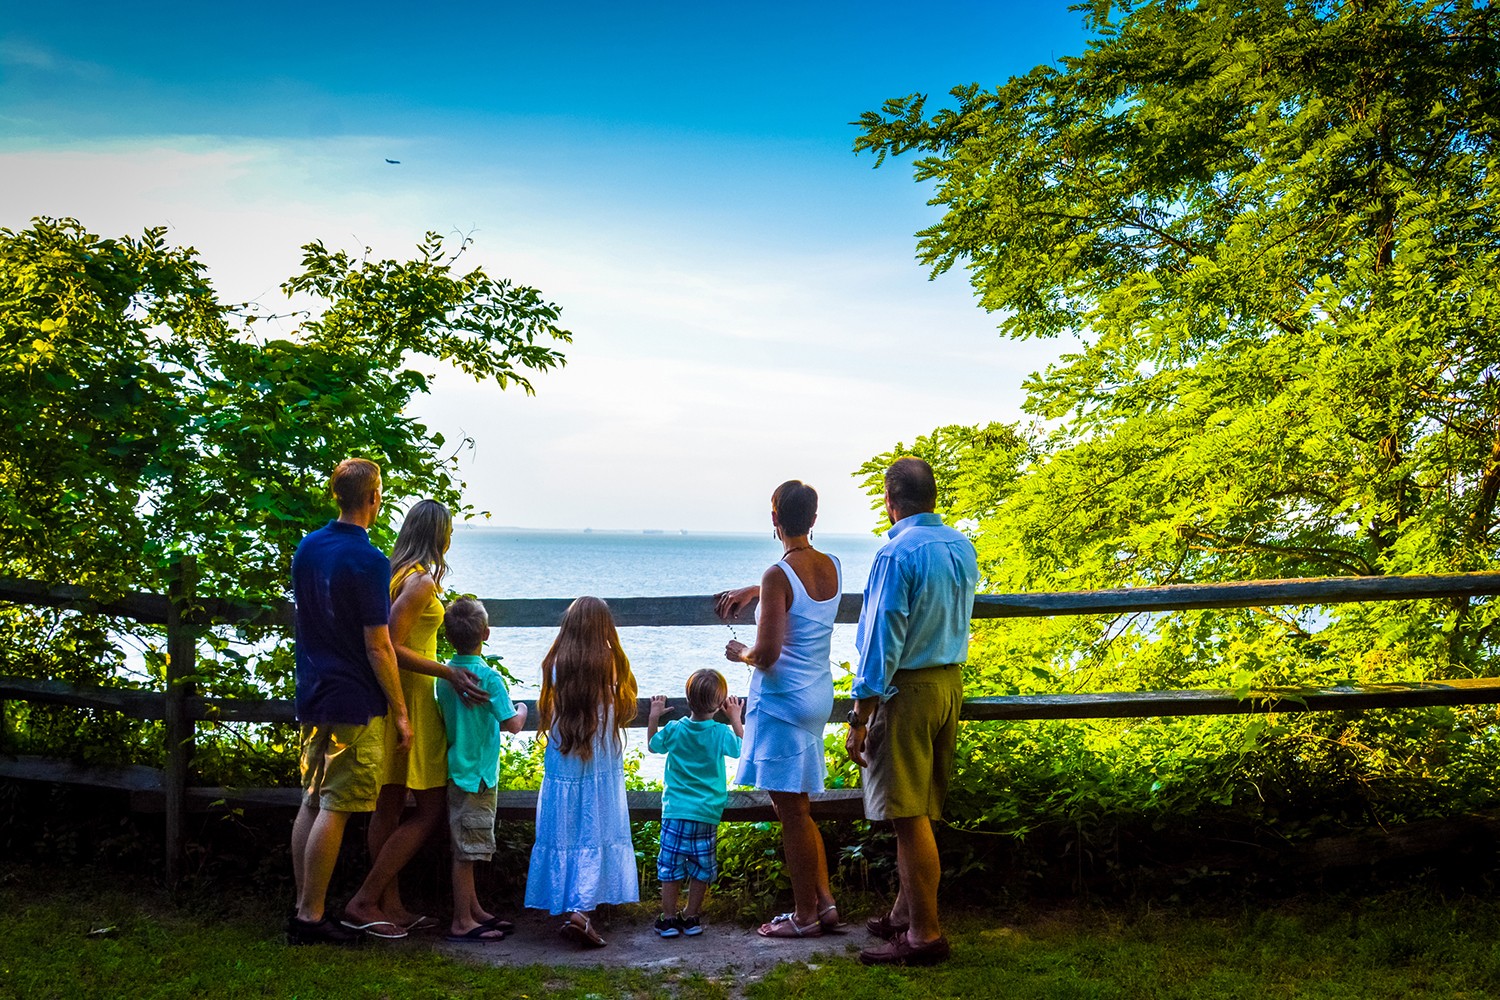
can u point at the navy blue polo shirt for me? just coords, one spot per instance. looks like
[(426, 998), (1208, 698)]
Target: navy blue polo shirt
[(341, 584)]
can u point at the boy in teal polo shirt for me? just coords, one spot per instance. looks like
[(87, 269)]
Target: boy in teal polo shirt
[(693, 801), (473, 766)]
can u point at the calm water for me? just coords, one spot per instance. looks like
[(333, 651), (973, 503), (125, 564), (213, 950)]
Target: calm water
[(506, 562)]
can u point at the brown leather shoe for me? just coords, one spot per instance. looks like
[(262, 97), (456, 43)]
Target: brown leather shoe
[(899, 951), (884, 927)]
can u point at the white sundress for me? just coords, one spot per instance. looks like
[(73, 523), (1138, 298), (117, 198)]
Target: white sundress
[(791, 702), (583, 855)]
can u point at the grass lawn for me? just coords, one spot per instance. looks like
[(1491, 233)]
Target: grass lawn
[(1413, 943)]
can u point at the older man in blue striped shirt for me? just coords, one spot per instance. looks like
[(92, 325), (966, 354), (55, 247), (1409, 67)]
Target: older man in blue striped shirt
[(913, 639)]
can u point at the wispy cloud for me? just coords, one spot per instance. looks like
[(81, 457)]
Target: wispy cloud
[(20, 54), (697, 380)]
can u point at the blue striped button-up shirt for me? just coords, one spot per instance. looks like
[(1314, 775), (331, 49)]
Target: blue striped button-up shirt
[(918, 603)]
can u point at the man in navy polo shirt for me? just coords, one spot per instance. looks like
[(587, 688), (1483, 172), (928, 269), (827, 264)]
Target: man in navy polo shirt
[(348, 690)]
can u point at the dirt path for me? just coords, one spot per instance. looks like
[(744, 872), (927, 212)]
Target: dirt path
[(721, 950)]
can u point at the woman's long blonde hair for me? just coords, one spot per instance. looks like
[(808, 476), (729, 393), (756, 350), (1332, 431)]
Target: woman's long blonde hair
[(423, 541), (584, 671)]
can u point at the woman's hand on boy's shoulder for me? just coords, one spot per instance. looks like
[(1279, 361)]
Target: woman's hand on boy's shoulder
[(468, 686)]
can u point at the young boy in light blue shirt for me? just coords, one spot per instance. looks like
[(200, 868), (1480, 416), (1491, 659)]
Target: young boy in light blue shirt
[(473, 767), (693, 801)]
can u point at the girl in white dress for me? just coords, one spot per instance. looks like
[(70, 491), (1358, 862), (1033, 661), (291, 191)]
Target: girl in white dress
[(583, 854), (791, 698)]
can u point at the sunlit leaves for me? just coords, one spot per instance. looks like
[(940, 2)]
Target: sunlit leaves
[(1250, 218), (145, 419), (1270, 238)]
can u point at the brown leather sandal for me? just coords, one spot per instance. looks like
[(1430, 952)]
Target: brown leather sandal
[(581, 934), (784, 925)]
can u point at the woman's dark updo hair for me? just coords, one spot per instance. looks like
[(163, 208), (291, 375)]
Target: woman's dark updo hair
[(796, 506)]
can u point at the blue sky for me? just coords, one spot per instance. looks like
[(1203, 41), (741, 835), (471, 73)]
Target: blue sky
[(678, 177)]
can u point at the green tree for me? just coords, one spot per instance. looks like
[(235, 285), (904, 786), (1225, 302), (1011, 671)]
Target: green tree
[(1272, 232), (145, 419)]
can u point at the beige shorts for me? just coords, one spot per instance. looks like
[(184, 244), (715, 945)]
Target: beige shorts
[(911, 742), (341, 764), (471, 823)]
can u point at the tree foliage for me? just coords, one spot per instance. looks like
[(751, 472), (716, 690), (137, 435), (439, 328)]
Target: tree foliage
[(1270, 233), (146, 419)]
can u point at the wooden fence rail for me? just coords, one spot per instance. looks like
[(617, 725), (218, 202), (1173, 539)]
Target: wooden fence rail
[(185, 614), (698, 610), (1004, 708)]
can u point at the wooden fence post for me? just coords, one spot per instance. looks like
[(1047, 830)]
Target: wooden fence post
[(181, 652)]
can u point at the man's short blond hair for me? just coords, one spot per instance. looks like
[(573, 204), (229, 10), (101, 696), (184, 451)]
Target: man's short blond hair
[(353, 482)]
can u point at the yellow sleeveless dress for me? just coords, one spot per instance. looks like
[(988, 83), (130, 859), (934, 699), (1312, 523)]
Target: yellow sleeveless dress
[(425, 765)]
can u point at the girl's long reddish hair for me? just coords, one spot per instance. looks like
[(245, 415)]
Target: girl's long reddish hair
[(584, 671)]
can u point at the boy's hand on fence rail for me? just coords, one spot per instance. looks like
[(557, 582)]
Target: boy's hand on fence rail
[(734, 708), (653, 720)]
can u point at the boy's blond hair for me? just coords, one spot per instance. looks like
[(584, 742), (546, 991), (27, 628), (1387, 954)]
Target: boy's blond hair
[(706, 691)]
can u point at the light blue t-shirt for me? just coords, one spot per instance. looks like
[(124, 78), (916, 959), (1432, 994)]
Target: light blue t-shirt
[(695, 776), (474, 730), (918, 603)]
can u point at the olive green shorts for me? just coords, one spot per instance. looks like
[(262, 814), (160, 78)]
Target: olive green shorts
[(910, 744), (341, 764)]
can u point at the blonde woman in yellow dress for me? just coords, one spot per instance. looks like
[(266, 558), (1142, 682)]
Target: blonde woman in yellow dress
[(418, 565)]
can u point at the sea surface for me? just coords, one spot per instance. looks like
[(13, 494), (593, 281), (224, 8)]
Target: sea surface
[(510, 562)]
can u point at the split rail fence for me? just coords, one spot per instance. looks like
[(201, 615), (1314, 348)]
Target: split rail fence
[(184, 616)]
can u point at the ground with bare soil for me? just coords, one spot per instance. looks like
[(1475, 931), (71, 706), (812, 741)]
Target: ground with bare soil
[(722, 950)]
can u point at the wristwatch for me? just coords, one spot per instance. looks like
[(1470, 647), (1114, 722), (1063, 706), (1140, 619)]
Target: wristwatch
[(855, 722)]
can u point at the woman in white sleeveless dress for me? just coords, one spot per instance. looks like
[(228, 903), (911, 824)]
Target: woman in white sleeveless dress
[(791, 698)]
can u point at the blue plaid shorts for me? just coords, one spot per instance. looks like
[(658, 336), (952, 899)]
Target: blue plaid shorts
[(689, 850)]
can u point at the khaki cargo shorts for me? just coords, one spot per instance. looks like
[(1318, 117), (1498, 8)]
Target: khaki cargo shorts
[(911, 742), (471, 823), (341, 764)]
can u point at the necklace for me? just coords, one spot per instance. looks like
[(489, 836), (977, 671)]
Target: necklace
[(797, 548)]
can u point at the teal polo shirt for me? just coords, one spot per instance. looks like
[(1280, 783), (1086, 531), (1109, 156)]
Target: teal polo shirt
[(695, 776), (474, 730)]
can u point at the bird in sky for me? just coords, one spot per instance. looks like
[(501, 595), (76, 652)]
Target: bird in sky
[(392, 161)]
